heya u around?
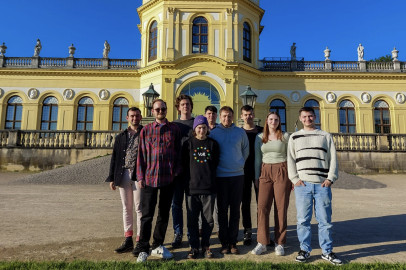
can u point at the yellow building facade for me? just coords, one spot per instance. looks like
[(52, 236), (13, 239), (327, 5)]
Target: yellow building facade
[(209, 50)]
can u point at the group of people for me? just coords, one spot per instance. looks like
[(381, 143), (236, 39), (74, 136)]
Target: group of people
[(213, 167)]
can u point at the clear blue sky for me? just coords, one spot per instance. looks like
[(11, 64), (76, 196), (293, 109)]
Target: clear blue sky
[(313, 24)]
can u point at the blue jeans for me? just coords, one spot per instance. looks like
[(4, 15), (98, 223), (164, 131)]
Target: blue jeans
[(177, 207), (320, 197)]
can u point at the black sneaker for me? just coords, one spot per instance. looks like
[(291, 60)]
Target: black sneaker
[(177, 241), (126, 246), (332, 258), (302, 256), (247, 237), (137, 250), (193, 253)]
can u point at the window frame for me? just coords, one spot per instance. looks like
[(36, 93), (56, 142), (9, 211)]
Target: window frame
[(122, 108), (347, 124), (247, 50), (381, 124), (15, 106), (49, 122), (278, 109), (200, 35), (85, 122), (153, 41)]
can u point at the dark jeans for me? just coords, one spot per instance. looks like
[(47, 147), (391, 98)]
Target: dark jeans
[(229, 196), (177, 205), (149, 196), (246, 201), (200, 206)]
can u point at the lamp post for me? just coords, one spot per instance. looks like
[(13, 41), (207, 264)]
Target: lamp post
[(149, 96), (249, 97)]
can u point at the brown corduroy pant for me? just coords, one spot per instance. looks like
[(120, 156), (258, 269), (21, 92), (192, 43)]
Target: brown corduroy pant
[(274, 184)]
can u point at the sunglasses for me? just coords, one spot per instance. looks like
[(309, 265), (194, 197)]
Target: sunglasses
[(160, 109)]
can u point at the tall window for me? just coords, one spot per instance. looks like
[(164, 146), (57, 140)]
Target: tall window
[(247, 42), (14, 113), (316, 107), (85, 114), (347, 117), (49, 116), (120, 113), (153, 41), (199, 35), (279, 106), (381, 117)]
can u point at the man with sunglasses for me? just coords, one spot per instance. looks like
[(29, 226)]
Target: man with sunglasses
[(158, 163)]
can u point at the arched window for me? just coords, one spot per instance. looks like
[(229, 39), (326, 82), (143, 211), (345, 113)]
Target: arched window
[(14, 113), (49, 115), (279, 106), (85, 114), (203, 94), (316, 107), (199, 35), (153, 41), (381, 117), (120, 113), (347, 117), (247, 42)]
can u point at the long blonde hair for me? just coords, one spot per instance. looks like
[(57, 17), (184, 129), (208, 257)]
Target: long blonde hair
[(266, 128)]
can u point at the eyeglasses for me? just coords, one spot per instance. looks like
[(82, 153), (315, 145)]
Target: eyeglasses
[(160, 109)]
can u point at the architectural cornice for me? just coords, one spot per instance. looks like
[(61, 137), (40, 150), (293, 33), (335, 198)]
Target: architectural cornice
[(335, 75), (69, 73)]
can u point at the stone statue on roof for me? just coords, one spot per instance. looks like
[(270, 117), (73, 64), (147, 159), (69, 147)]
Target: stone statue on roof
[(360, 51), (37, 48), (106, 49), (293, 51)]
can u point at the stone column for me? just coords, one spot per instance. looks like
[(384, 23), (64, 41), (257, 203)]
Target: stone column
[(34, 62), (105, 63), (229, 37), (69, 62), (396, 65), (170, 52), (328, 65), (362, 65), (13, 138), (1, 61)]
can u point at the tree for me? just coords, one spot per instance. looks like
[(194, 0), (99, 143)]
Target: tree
[(386, 58)]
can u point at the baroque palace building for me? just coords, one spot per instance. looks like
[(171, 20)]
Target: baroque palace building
[(207, 49)]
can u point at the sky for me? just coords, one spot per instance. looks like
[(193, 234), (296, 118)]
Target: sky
[(313, 24)]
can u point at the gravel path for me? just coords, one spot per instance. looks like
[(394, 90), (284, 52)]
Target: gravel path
[(95, 171)]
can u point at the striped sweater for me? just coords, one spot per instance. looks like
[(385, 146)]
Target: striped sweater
[(312, 157)]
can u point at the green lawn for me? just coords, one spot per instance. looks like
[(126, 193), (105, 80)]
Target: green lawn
[(77, 265)]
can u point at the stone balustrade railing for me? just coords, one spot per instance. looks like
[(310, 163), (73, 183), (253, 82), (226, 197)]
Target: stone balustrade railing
[(57, 139), (364, 142), (68, 62), (332, 66), (361, 142)]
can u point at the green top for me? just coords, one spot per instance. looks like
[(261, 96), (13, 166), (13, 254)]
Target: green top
[(271, 152)]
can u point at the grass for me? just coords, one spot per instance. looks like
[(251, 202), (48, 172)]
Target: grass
[(172, 265)]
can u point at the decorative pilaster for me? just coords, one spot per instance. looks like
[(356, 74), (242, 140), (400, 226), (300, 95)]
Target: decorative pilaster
[(170, 52), (229, 37)]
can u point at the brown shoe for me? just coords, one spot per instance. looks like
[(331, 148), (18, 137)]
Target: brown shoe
[(234, 249), (225, 249)]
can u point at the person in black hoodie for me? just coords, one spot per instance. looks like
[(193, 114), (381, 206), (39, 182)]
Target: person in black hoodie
[(200, 159)]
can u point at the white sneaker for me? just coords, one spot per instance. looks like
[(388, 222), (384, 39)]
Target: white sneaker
[(279, 250), (259, 249), (142, 257), (162, 252)]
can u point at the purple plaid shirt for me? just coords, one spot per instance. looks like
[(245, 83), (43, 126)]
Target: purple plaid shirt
[(159, 159)]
